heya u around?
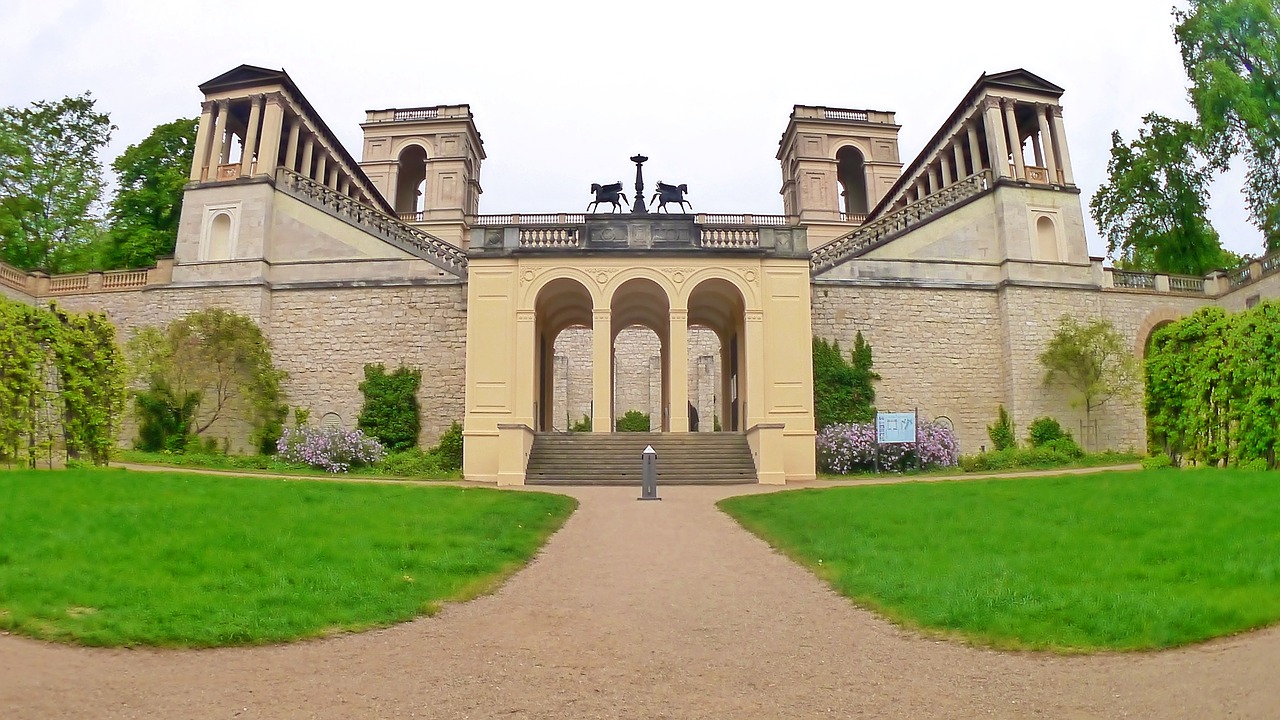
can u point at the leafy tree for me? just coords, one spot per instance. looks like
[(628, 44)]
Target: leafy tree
[(390, 413), (842, 389), (1152, 207), (50, 179), (633, 421), (1231, 52), (1093, 361), (144, 214), (222, 358)]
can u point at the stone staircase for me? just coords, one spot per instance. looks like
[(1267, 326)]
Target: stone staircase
[(614, 458)]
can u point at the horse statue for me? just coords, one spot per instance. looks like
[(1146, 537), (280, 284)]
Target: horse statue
[(671, 194), (608, 194)]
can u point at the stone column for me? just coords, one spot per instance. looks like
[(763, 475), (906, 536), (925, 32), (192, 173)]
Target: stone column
[(931, 179), (944, 167), (308, 149), (1046, 139), (332, 182), (753, 399), (223, 136), (958, 150), (997, 148), (526, 361), (678, 378), (1060, 142), (975, 151), (601, 371), (321, 166), (203, 132), (251, 137), (1015, 140), (291, 147), (269, 145)]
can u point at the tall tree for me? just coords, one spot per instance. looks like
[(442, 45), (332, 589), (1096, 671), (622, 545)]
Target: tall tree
[(1231, 52), (1092, 361), (1152, 207), (144, 214), (50, 179)]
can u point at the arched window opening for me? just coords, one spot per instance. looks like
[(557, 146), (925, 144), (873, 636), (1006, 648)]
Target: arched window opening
[(851, 172), (1046, 240), (220, 237), (411, 180)]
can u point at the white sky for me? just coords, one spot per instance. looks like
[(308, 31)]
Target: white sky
[(564, 92)]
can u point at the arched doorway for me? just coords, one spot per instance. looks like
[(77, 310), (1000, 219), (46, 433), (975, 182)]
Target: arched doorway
[(563, 355), (411, 180), (717, 305), (851, 171), (642, 303)]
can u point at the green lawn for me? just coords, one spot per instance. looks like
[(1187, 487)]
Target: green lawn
[(112, 557), (1119, 560)]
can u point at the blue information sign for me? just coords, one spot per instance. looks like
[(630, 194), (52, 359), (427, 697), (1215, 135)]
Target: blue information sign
[(895, 427)]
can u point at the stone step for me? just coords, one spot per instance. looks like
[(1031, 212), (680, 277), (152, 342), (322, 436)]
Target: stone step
[(615, 459)]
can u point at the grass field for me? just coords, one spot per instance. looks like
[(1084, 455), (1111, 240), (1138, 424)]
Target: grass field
[(412, 465), (1121, 560), (111, 557)]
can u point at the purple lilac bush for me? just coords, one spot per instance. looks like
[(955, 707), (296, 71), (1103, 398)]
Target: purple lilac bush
[(846, 449), (332, 449)]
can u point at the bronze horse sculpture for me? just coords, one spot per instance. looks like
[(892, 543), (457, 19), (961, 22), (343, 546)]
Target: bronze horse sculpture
[(671, 194), (608, 194)]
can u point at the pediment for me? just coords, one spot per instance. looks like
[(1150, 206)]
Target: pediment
[(245, 76), (1022, 79)]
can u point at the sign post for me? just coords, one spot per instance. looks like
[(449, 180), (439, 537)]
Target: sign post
[(897, 428), (649, 483)]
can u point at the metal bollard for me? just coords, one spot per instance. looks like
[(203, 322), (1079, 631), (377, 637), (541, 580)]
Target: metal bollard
[(649, 485)]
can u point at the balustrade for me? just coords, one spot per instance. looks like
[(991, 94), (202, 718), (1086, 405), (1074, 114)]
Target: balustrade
[(728, 238), (835, 114), (406, 237), (1270, 264), (124, 279), (1186, 283), (858, 241), (1240, 276), (549, 237)]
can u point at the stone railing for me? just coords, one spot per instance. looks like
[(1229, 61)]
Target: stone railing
[(729, 237), (855, 218), (838, 114), (417, 216), (416, 114), (447, 257), (38, 284), (895, 223), (549, 238), (529, 219), (744, 220), (1215, 284)]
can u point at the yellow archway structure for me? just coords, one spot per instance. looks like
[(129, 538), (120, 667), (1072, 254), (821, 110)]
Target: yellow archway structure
[(753, 294)]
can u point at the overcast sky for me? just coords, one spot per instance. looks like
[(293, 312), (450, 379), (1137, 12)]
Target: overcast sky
[(564, 92)]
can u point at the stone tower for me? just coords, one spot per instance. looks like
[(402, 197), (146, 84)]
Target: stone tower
[(837, 165), (426, 162)]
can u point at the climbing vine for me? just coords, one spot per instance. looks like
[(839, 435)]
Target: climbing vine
[(61, 385), (1213, 394)]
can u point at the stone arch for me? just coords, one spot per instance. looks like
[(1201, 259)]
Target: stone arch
[(560, 304), (851, 175), (538, 281), (1046, 239), (220, 237), (613, 284), (719, 304), (411, 178), (1155, 320), (746, 288)]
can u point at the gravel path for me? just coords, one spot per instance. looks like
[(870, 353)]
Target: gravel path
[(642, 610)]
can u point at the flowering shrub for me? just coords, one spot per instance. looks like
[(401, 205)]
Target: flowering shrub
[(332, 449), (845, 449)]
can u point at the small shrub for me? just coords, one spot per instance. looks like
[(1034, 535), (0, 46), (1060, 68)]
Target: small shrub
[(1001, 434), (633, 421), (448, 450), (332, 449), (1065, 445), (1156, 462), (390, 411), (1045, 430), (583, 425), (1255, 465), (164, 420), (414, 462)]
